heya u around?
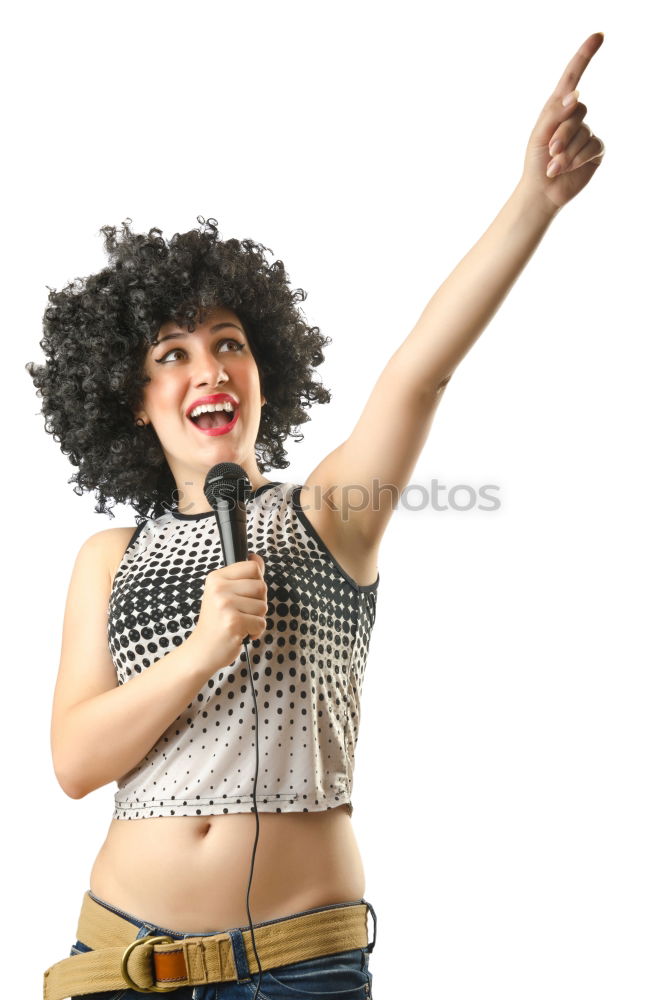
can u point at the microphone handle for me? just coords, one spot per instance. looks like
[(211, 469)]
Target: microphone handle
[(232, 529)]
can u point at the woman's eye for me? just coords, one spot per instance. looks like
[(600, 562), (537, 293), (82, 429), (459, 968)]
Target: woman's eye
[(179, 350), (173, 351), (236, 344)]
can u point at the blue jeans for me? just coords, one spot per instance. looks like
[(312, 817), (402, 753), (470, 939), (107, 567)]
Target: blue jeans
[(343, 976)]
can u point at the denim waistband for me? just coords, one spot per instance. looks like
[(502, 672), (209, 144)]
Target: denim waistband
[(155, 929)]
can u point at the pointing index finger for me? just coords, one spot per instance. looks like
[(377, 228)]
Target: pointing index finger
[(572, 73)]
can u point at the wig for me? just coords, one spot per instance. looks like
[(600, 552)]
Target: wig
[(97, 332)]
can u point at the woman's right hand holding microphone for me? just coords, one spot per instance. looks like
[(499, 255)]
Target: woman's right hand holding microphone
[(234, 605)]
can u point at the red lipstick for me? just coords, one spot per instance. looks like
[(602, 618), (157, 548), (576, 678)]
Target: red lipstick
[(219, 397)]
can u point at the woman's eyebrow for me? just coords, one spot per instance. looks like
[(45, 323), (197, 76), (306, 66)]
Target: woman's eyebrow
[(185, 333)]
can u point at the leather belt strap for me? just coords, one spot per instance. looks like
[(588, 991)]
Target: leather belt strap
[(120, 959)]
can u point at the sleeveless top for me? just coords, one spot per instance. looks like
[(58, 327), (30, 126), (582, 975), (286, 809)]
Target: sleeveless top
[(308, 667)]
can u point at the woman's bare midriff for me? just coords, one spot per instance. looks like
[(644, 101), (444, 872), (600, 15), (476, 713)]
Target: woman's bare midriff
[(190, 873)]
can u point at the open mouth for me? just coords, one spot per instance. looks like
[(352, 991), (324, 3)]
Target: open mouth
[(216, 422)]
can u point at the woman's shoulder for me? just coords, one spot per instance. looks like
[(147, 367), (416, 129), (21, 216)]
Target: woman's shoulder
[(110, 544)]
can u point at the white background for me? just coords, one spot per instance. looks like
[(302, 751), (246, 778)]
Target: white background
[(507, 787)]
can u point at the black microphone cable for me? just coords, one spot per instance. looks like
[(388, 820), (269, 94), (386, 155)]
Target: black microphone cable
[(257, 821)]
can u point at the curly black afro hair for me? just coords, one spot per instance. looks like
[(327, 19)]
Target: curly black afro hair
[(97, 332)]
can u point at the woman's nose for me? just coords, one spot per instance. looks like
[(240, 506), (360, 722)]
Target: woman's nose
[(210, 370)]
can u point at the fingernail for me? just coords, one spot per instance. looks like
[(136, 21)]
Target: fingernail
[(570, 98), (556, 148), (553, 168)]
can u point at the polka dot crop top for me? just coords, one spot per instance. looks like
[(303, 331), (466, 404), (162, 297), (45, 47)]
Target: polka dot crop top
[(308, 666)]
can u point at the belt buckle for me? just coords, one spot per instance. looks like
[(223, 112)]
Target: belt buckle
[(125, 965)]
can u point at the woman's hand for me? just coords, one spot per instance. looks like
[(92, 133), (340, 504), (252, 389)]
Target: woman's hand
[(579, 152), (234, 604)]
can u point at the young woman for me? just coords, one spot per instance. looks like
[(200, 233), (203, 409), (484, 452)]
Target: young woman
[(176, 357)]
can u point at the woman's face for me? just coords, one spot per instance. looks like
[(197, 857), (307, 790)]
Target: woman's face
[(183, 369)]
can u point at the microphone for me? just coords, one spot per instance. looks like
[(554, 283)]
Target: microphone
[(226, 486)]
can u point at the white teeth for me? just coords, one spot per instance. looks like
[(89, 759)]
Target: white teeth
[(211, 407)]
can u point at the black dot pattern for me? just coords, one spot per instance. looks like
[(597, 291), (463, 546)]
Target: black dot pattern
[(308, 667)]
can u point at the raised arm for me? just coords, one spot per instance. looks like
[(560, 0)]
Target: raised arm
[(385, 450)]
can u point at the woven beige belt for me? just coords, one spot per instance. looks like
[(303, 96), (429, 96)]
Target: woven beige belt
[(161, 964)]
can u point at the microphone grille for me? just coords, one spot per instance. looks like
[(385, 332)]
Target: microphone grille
[(228, 481)]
